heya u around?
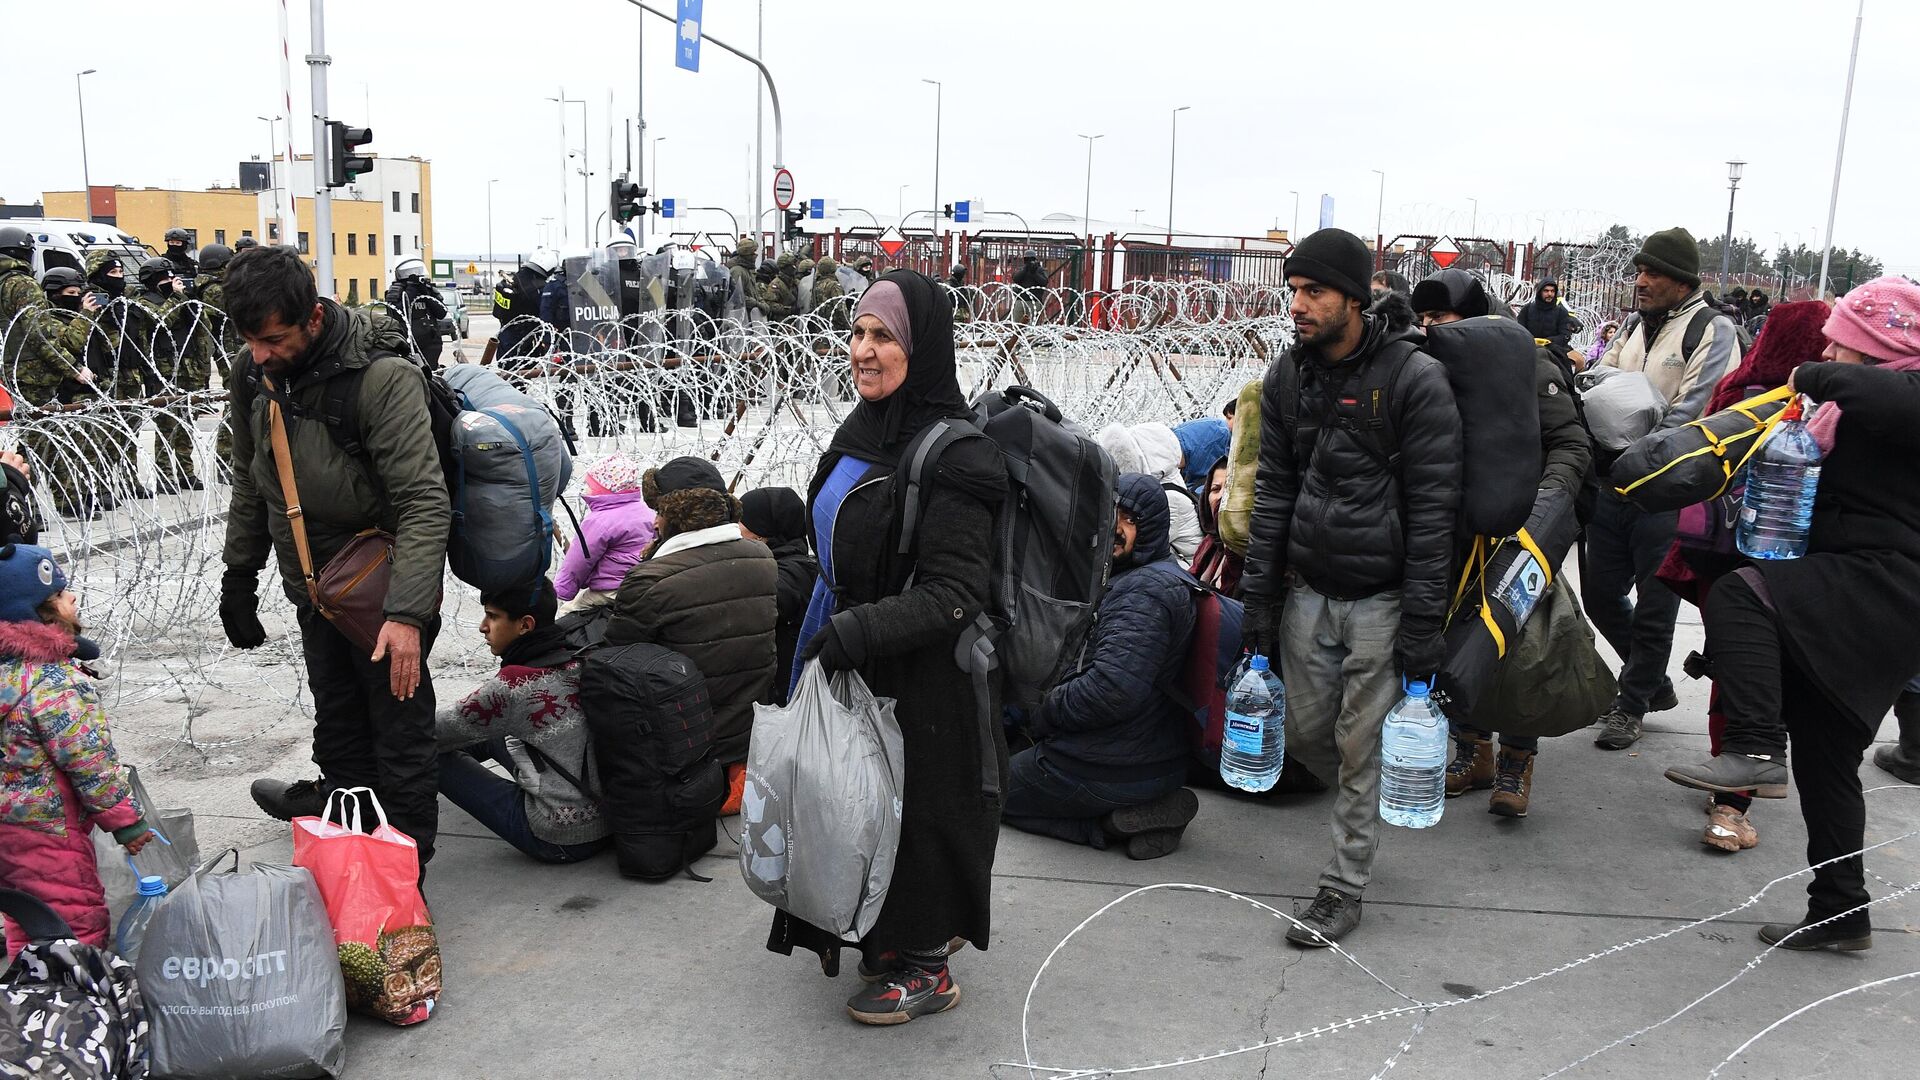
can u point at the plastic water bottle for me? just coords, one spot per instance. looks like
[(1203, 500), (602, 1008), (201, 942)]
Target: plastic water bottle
[(1776, 512), (1413, 761), (133, 925), (1255, 741)]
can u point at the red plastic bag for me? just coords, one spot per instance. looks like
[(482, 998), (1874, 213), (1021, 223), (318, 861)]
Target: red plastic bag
[(370, 882)]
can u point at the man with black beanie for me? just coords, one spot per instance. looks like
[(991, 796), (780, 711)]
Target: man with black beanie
[(1352, 537), (1683, 346)]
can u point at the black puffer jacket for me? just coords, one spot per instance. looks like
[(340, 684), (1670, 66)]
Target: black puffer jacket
[(1326, 509), (1550, 321), (1112, 719)]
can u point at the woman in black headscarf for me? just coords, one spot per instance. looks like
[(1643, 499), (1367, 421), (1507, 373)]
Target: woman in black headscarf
[(901, 638), (776, 517)]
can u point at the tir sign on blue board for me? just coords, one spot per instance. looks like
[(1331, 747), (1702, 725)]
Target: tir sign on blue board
[(686, 42)]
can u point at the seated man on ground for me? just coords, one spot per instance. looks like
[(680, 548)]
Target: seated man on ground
[(708, 593), (527, 718), (1111, 743)]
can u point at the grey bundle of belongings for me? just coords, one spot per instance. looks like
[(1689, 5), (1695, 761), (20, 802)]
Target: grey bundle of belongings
[(241, 977), (1620, 407), (1503, 585), (511, 463), (1696, 463), (820, 812)]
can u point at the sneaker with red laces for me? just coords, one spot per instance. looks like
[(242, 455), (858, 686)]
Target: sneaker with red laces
[(903, 995)]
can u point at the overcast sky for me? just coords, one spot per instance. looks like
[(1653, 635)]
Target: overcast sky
[(1583, 115)]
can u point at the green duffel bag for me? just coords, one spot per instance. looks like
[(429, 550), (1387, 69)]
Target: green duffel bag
[(1553, 681), (1697, 463)]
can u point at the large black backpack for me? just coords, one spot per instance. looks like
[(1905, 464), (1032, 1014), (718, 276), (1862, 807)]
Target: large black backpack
[(659, 785)]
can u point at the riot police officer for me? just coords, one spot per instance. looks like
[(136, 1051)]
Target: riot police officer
[(417, 304), (161, 322), (180, 254)]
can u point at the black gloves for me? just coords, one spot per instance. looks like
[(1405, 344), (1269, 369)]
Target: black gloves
[(1260, 628), (841, 644), (240, 609), (1419, 649)]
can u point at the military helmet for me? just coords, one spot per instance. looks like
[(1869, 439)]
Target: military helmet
[(215, 256), (155, 270), (409, 267), (177, 234), (748, 246), (61, 278), (786, 261), (17, 242), (805, 266), (244, 243)]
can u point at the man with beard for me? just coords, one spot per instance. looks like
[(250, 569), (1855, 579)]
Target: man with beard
[(1346, 575), (1547, 319), (373, 712)]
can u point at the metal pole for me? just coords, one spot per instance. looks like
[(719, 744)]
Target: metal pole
[(1726, 243), (939, 95), (272, 177), (289, 214), (86, 170), (1846, 106), (759, 167), (317, 62), (1173, 148), (773, 92), (640, 109), (899, 204), (657, 140), (1293, 237), (490, 184), (1473, 226), (1086, 210), (562, 106), (1379, 219)]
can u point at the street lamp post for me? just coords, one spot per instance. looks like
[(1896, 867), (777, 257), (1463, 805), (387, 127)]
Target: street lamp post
[(1734, 171), (1173, 147), (1086, 210), (657, 140), (1473, 227), (86, 171), (1293, 235), (939, 94), (272, 175), (585, 208), (1379, 220), (900, 203), (490, 184)]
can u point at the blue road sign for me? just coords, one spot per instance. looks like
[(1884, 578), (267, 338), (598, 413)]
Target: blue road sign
[(686, 43), (817, 209), (666, 208), (963, 212), (1326, 211)]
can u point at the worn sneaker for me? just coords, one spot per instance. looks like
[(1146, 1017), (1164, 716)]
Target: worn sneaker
[(1471, 768), (1830, 936), (1618, 730), (288, 800), (1728, 829), (903, 995), (1332, 916), (890, 961), (1766, 777), (1512, 784), (1175, 810)]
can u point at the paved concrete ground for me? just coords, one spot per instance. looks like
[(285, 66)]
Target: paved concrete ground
[(574, 971)]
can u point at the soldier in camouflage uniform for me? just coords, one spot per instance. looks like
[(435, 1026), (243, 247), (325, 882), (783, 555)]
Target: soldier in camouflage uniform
[(826, 290), (783, 292), (745, 292), (162, 322), (33, 365), (220, 340), (101, 339)]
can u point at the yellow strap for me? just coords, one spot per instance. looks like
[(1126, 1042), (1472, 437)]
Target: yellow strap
[(1533, 549), (1493, 625), (1718, 447), (1476, 559)]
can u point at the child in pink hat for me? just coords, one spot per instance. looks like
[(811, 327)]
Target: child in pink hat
[(1877, 324), (618, 527)]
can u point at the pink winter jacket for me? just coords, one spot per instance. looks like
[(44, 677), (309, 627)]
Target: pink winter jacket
[(617, 528)]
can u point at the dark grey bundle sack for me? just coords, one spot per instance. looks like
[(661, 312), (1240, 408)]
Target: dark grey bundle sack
[(241, 978)]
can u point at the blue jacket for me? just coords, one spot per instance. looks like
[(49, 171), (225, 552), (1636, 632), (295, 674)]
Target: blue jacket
[(1112, 718)]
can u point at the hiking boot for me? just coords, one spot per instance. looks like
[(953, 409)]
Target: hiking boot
[(1619, 729), (1728, 829), (174, 485), (1513, 783), (1830, 936), (1664, 699), (890, 961), (1766, 777), (287, 800), (1903, 759), (1332, 916), (1471, 768), (903, 995)]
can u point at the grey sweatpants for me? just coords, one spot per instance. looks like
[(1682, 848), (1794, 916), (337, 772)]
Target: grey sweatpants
[(1337, 662)]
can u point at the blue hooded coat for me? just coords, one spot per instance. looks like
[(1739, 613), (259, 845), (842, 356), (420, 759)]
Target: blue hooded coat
[(1202, 442)]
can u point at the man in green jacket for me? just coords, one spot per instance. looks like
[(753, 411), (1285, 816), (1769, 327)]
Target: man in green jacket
[(373, 714)]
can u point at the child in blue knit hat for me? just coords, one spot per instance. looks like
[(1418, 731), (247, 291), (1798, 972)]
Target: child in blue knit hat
[(59, 775)]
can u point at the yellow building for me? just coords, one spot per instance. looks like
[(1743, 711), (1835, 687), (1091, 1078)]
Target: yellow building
[(383, 216)]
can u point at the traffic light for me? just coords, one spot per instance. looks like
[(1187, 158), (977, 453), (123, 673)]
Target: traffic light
[(344, 164), (794, 218), (946, 210), (625, 200)]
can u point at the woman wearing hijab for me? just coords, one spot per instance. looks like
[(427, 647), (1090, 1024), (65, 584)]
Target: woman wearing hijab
[(1817, 648), (896, 619), (776, 517)]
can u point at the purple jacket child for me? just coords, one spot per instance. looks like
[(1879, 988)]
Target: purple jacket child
[(618, 527)]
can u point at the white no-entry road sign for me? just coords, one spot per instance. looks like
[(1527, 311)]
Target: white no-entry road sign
[(782, 189)]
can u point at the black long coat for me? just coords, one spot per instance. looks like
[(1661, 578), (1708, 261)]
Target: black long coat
[(943, 872)]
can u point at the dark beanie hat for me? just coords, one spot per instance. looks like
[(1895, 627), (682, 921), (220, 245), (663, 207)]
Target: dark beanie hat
[(775, 513), (1335, 258), (1671, 252), (683, 473)]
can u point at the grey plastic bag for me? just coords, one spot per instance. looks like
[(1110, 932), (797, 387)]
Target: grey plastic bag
[(1621, 407), (820, 812), (172, 861), (241, 979)]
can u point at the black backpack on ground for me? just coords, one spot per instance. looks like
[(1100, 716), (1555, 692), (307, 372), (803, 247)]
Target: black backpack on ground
[(659, 785)]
